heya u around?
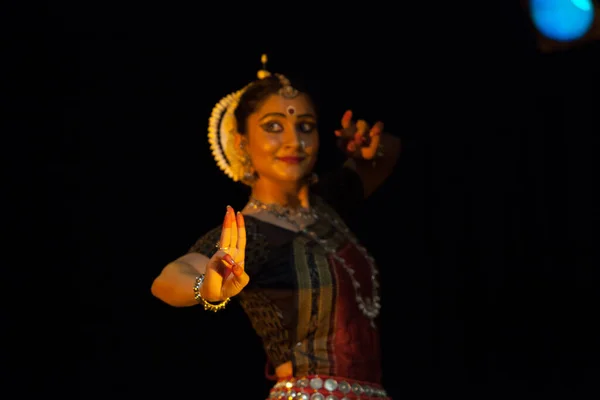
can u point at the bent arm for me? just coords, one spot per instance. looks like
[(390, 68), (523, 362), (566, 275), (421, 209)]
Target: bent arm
[(175, 284), (373, 173)]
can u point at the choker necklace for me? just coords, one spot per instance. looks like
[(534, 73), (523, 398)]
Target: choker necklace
[(369, 306), (283, 212)]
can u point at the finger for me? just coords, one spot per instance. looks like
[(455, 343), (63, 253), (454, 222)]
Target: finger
[(227, 265), (347, 119), (216, 273), (240, 281), (362, 127), (223, 261), (359, 138), (241, 238), (377, 129), (226, 230), (235, 285), (233, 232), (224, 264), (369, 152), (240, 276), (238, 269)]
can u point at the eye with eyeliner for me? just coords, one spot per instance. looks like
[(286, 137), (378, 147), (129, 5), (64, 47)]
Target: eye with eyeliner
[(272, 127), (276, 127), (307, 127)]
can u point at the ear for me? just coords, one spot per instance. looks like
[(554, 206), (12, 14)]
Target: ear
[(237, 140)]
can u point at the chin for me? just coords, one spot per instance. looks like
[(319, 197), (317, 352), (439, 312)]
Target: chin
[(292, 177), (292, 174)]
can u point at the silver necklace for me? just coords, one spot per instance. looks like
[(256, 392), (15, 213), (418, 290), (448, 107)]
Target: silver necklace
[(368, 306), (282, 212)]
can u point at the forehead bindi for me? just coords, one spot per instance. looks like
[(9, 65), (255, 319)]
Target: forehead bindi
[(287, 107)]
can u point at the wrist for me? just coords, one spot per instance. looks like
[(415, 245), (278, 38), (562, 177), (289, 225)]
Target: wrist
[(207, 301), (201, 293)]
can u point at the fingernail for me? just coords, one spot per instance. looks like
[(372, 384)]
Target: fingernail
[(229, 259)]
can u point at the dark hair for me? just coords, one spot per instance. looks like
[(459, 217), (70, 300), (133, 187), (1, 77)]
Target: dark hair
[(254, 97)]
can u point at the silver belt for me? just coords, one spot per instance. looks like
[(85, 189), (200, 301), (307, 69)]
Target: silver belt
[(317, 388)]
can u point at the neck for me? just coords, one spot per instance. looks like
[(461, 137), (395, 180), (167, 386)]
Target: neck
[(287, 194)]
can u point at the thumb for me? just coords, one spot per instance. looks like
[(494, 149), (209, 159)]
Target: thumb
[(237, 281), (240, 276), (235, 284)]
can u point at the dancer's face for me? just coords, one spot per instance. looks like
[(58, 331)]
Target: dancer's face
[(282, 138)]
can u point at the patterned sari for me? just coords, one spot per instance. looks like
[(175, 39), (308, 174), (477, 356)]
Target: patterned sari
[(301, 300)]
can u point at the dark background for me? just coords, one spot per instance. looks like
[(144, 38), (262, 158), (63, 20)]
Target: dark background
[(484, 233)]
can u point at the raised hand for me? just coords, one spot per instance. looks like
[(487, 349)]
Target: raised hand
[(358, 139), (225, 276)]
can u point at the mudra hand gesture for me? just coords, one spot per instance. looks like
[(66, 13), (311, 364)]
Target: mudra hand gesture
[(359, 139), (225, 276)]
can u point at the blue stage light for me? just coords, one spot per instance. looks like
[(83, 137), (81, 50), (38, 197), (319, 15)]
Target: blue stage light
[(562, 20)]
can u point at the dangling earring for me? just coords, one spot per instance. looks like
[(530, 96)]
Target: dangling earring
[(313, 179), (249, 173), (249, 177)]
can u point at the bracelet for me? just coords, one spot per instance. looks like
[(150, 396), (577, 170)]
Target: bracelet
[(378, 154), (200, 299)]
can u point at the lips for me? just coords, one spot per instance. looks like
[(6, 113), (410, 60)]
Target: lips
[(291, 160)]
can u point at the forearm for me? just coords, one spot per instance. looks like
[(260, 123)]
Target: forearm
[(374, 172), (175, 284)]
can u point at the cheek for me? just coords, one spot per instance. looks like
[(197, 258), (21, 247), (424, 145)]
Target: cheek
[(314, 143), (266, 146)]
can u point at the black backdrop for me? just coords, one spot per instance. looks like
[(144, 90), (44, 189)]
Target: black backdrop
[(484, 233)]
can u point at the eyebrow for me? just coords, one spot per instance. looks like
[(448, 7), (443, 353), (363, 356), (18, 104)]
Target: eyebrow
[(284, 116)]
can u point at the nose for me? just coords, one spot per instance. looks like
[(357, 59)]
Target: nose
[(293, 140)]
